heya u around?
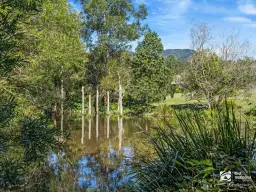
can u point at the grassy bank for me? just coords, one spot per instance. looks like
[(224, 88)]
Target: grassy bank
[(244, 103), (191, 157)]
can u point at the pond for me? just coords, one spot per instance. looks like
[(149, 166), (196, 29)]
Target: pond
[(101, 151)]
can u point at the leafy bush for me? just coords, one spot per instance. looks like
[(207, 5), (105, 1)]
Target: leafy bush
[(37, 138), (23, 152), (191, 157)]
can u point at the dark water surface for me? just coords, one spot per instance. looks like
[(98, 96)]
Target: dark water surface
[(101, 151)]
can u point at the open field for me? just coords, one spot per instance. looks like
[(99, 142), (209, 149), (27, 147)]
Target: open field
[(245, 102)]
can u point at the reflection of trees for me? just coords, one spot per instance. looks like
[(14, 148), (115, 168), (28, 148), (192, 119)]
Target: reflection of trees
[(82, 138), (102, 162), (120, 133)]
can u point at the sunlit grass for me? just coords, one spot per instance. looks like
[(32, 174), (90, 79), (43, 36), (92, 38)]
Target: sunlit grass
[(242, 101)]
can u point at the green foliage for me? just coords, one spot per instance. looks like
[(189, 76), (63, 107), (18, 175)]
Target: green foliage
[(177, 66), (213, 78), (35, 35), (13, 16), (151, 76), (190, 157), (164, 111), (108, 29), (116, 23), (37, 139), (58, 54), (252, 111), (25, 148)]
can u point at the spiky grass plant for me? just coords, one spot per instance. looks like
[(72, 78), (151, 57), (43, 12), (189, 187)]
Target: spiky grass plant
[(189, 158)]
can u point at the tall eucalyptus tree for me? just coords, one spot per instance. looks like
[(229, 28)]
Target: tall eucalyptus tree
[(110, 26)]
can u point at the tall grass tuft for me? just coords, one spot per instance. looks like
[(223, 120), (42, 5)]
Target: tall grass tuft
[(191, 156)]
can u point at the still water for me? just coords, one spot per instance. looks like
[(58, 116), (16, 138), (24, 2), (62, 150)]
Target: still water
[(101, 151)]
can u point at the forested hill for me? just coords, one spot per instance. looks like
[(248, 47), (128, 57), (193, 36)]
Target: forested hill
[(179, 53)]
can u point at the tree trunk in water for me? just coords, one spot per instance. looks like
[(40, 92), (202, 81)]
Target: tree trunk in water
[(108, 112), (97, 126), (90, 128), (120, 98), (90, 106), (97, 100), (82, 138), (120, 132), (108, 117), (62, 108)]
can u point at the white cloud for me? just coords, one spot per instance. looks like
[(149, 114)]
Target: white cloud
[(247, 7), (168, 10), (253, 25), (213, 9), (238, 19), (246, 21), (184, 4)]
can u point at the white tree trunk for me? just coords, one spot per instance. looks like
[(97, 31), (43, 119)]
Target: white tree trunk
[(97, 100), (108, 117), (90, 128), (90, 105), (108, 111), (97, 126), (62, 108), (82, 101), (120, 98)]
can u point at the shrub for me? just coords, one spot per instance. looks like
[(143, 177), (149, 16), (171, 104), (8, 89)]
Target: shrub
[(191, 157)]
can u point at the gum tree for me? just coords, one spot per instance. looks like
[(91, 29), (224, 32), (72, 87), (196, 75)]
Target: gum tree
[(110, 26)]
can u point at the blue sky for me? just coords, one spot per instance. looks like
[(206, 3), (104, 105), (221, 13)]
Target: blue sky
[(173, 19)]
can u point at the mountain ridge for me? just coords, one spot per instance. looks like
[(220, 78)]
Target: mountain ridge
[(179, 53)]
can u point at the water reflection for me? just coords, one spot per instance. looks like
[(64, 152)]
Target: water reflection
[(82, 138), (120, 134), (102, 160)]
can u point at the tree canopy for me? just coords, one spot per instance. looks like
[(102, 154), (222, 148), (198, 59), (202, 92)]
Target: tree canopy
[(150, 72)]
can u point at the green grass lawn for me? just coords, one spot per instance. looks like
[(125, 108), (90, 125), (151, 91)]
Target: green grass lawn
[(176, 100), (246, 103)]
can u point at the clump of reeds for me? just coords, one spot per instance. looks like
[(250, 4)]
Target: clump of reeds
[(190, 157)]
